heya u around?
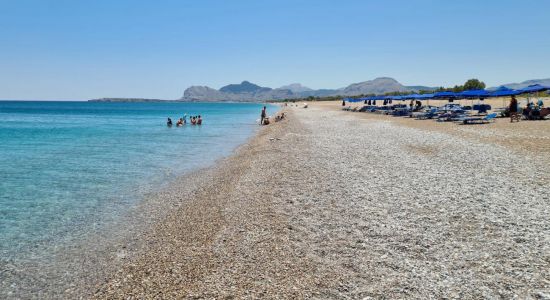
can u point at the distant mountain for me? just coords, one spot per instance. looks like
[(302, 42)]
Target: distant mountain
[(244, 87), (247, 91), (250, 92), (377, 86), (525, 84), (296, 88), (243, 92)]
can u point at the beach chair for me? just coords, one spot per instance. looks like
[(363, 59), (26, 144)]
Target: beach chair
[(427, 115), (479, 120)]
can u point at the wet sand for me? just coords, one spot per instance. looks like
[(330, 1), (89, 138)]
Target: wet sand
[(336, 205)]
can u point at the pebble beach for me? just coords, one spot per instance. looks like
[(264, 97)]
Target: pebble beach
[(329, 204)]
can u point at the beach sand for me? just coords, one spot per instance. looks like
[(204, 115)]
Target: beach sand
[(339, 205)]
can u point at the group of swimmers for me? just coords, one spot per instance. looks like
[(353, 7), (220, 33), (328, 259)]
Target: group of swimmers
[(194, 120)]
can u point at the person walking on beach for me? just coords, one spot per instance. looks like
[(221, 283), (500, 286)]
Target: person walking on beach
[(514, 109), (263, 115)]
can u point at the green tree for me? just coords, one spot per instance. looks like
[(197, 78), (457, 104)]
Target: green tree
[(474, 84)]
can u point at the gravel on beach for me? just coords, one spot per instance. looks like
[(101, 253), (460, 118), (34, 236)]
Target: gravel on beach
[(331, 206)]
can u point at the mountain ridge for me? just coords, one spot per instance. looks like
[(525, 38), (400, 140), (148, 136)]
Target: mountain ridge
[(248, 92), (524, 84)]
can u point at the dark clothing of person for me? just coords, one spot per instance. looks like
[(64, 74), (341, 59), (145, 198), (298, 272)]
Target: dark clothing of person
[(514, 106), (263, 116)]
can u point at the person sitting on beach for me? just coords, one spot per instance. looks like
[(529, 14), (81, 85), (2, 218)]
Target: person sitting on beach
[(540, 103), (180, 122), (527, 111), (169, 122), (199, 120)]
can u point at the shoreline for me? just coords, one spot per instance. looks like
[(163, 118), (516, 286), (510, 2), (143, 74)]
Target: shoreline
[(72, 268), (327, 205), (333, 204)]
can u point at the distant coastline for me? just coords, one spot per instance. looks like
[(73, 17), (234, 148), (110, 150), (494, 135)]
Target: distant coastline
[(128, 100), (124, 100)]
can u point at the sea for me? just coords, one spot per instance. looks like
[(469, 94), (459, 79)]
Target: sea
[(66, 165)]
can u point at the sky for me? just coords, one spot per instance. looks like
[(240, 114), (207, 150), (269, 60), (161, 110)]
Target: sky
[(79, 50)]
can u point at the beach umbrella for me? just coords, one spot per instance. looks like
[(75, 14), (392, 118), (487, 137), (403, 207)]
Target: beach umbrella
[(413, 96), (445, 95), (472, 94), (534, 88), (504, 92), (426, 97)]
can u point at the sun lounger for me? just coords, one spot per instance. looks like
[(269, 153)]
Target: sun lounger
[(427, 115), (479, 120)]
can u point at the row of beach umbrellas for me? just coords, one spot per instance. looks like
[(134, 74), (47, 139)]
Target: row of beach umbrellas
[(469, 94)]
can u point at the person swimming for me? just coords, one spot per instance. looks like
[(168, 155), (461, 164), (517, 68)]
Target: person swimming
[(169, 122)]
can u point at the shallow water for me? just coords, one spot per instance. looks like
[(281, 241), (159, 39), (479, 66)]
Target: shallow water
[(68, 166)]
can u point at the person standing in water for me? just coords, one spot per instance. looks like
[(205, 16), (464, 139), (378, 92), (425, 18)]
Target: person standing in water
[(169, 122), (263, 115)]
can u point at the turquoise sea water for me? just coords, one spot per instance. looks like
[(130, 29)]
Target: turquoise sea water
[(64, 164)]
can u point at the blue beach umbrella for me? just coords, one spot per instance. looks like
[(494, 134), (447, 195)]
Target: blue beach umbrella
[(411, 96), (425, 96), (533, 89), (472, 94), (504, 92), (445, 95)]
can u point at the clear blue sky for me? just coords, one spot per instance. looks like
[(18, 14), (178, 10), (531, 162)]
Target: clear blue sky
[(69, 49)]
